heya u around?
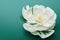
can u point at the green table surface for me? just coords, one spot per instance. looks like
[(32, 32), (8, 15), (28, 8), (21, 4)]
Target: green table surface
[(11, 26)]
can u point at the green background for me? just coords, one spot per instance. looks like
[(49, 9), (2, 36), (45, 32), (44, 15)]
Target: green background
[(11, 25)]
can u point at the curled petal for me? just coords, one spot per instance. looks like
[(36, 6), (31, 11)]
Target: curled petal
[(42, 35), (27, 13), (28, 27)]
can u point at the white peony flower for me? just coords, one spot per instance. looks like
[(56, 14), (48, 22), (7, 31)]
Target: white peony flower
[(39, 19)]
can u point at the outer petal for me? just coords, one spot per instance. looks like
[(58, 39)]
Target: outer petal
[(40, 27), (51, 17), (51, 13), (38, 9), (49, 23), (42, 35), (27, 7), (32, 28), (28, 27), (51, 28), (27, 12)]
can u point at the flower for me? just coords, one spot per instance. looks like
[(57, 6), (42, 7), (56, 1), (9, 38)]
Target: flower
[(40, 19)]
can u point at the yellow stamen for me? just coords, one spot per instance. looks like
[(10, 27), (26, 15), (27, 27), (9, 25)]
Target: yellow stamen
[(40, 18)]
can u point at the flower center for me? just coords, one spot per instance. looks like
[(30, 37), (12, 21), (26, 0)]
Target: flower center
[(40, 18)]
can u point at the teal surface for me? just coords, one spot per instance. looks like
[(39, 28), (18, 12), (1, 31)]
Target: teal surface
[(11, 26)]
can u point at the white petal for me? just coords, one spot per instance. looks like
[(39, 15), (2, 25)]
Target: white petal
[(32, 19), (49, 23), (51, 13), (36, 27), (50, 18), (52, 27), (35, 33), (27, 13), (41, 28), (28, 27), (38, 9), (27, 7)]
